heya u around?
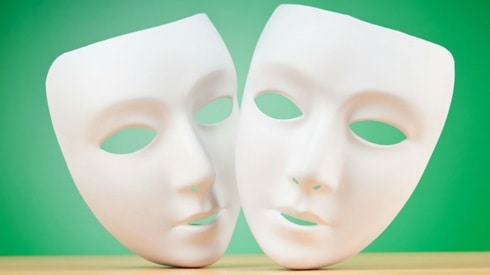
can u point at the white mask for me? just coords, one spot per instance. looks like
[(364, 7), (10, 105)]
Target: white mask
[(346, 190), (156, 79)]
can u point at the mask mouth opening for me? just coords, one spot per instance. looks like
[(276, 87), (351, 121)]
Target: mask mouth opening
[(298, 221), (203, 221)]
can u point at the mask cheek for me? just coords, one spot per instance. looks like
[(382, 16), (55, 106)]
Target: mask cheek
[(377, 184), (120, 190), (262, 161), (218, 141)]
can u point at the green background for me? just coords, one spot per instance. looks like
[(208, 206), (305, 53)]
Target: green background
[(41, 212)]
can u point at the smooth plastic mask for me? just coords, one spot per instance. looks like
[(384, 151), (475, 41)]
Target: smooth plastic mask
[(170, 196), (316, 185)]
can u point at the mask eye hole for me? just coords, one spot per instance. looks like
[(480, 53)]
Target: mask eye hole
[(277, 106), (128, 140), (215, 111), (377, 132)]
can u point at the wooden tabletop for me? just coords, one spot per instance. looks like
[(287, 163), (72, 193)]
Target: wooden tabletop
[(367, 263)]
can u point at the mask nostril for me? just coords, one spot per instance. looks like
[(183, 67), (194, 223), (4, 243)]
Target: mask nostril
[(314, 187), (296, 181), (195, 189)]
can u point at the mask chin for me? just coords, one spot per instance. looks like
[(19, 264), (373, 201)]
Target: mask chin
[(354, 130), (137, 118)]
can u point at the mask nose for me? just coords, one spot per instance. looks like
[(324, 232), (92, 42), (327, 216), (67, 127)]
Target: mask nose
[(316, 163), (192, 171)]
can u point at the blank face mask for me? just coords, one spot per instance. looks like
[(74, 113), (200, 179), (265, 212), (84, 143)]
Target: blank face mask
[(315, 187), (173, 200)]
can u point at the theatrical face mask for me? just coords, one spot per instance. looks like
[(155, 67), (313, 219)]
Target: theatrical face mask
[(172, 201), (315, 189)]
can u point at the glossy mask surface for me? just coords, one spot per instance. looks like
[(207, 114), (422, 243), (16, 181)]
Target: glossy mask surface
[(312, 190), (157, 79)]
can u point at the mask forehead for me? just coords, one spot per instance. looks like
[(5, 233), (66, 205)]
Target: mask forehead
[(342, 57), (164, 64)]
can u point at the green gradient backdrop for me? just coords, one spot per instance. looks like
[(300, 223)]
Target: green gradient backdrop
[(41, 211)]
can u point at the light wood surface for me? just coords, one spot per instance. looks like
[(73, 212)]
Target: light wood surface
[(368, 263)]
